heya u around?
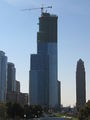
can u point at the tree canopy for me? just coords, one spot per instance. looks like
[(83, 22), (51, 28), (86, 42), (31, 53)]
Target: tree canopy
[(84, 113)]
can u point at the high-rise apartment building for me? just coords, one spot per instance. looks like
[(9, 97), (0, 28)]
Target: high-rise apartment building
[(11, 77), (3, 76), (80, 84), (43, 87)]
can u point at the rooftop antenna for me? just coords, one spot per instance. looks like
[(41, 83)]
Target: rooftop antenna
[(42, 8)]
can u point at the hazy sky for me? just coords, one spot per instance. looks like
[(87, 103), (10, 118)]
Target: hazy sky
[(18, 35)]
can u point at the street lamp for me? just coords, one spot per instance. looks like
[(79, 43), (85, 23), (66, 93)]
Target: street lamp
[(25, 116)]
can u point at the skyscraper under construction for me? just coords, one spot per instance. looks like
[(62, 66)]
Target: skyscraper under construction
[(43, 85), (80, 84)]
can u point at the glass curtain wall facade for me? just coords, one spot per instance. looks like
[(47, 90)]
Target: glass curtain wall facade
[(3, 76), (11, 77), (43, 87)]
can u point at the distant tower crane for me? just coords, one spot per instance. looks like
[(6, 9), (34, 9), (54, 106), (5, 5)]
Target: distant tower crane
[(42, 9)]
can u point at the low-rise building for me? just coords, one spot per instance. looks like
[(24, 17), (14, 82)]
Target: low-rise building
[(15, 97)]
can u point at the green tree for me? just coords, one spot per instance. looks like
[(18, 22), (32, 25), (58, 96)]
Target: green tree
[(32, 111), (9, 109), (84, 113), (15, 110), (36, 110), (3, 111), (27, 111)]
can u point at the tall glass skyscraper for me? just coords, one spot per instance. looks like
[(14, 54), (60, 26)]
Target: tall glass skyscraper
[(80, 84), (43, 85), (11, 77), (3, 76)]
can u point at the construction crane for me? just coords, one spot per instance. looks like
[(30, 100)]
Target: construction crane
[(42, 9)]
